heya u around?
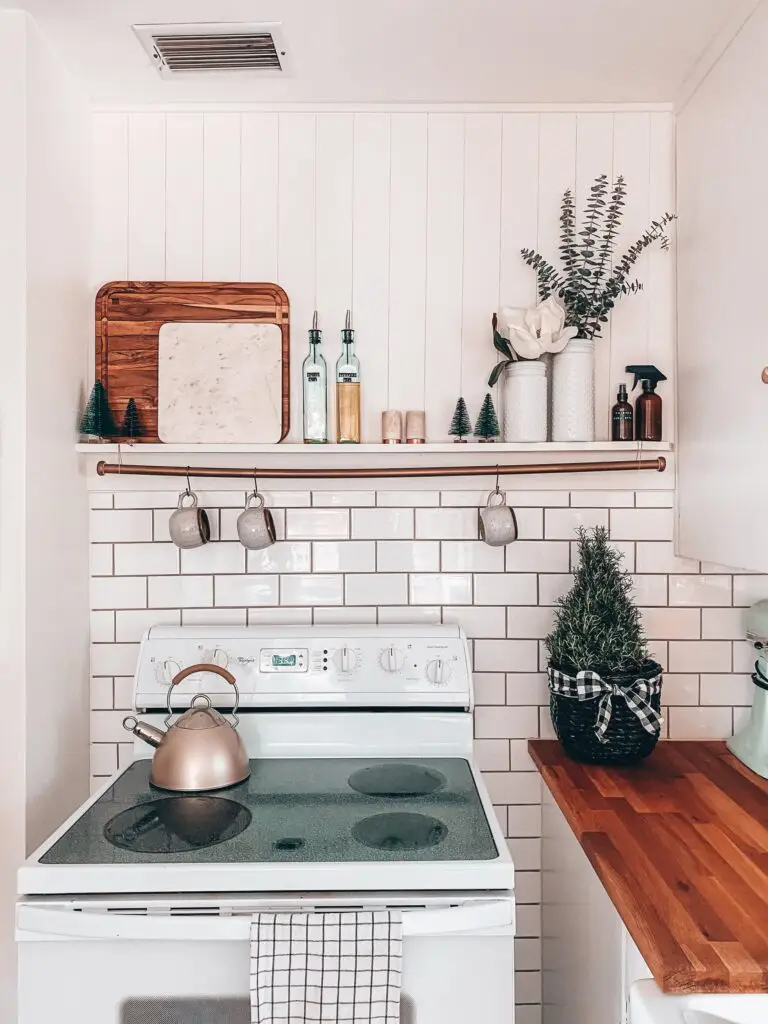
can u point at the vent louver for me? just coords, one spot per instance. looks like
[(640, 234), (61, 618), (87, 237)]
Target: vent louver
[(197, 49)]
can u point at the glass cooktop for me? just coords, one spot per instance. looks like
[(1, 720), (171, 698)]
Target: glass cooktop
[(290, 810)]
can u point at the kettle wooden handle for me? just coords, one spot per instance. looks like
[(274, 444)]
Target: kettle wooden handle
[(191, 669)]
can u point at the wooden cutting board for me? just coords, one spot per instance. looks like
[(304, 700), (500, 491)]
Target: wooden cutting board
[(129, 316)]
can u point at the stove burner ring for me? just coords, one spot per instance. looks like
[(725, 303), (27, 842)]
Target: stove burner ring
[(177, 824), (397, 779), (400, 831)]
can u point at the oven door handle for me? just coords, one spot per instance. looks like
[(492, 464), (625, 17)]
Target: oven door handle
[(53, 923)]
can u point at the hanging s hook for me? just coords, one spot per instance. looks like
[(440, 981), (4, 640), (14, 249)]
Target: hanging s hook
[(119, 458), (497, 491), (255, 482), (189, 487)]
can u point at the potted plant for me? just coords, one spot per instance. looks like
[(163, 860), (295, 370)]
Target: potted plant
[(605, 691), (588, 284)]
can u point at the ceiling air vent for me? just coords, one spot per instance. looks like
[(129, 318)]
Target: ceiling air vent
[(223, 48)]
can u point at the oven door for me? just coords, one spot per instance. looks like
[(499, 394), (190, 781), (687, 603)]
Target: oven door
[(119, 961)]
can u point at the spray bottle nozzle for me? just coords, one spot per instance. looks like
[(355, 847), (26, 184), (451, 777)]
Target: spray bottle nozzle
[(646, 372)]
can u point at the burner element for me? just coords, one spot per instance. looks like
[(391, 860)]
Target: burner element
[(400, 831), (177, 824), (396, 779)]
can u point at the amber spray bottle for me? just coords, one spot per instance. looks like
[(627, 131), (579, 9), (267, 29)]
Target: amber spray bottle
[(648, 422), (622, 417)]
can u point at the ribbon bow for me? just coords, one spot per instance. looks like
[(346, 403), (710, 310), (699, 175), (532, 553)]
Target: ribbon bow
[(587, 685)]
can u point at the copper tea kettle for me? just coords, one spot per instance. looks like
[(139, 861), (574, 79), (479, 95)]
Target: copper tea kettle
[(201, 750)]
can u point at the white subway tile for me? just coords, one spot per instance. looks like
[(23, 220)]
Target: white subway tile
[(103, 758), (562, 523), (528, 989), (506, 723), (376, 588), (470, 556), (680, 689), (602, 499), (700, 591), (146, 559), (102, 627), (101, 561), (699, 656), (726, 690), (658, 650), (672, 623), (502, 787), (344, 556), (492, 755), (285, 556), (314, 589), (213, 559), (749, 589), (125, 754), (102, 694), (553, 586), (344, 616), (415, 614), (382, 523), (527, 688), (520, 497), (723, 624), (501, 817), (405, 499), (124, 693), (527, 889), (527, 952), (704, 723), (317, 523), (119, 592), (111, 525), (478, 622), (715, 568), (649, 590), (130, 626), (535, 556), (279, 616), (530, 523), (741, 717), (447, 523), (521, 761), (523, 821), (100, 499), (529, 623), (546, 728), (245, 591), (229, 517), (180, 591), (406, 556), (440, 588), (343, 499), (655, 499), (107, 727), (743, 657), (642, 523), (659, 556), (470, 498), (215, 616), (528, 919), (506, 656), (490, 688), (516, 588), (526, 854), (287, 499), (147, 499)]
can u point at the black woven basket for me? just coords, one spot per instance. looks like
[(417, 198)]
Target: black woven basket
[(626, 741)]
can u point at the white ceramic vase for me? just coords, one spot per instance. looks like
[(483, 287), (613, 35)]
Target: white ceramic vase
[(525, 401), (573, 392)]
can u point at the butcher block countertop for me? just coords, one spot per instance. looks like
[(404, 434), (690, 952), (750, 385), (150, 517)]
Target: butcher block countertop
[(680, 843)]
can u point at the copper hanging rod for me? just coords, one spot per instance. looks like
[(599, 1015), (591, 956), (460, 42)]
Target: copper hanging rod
[(114, 469)]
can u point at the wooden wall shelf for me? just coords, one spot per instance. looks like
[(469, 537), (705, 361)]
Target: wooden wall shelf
[(395, 452)]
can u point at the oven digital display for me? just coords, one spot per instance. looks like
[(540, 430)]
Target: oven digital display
[(283, 661)]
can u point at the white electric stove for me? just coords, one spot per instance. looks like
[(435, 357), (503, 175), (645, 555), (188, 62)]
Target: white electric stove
[(363, 793)]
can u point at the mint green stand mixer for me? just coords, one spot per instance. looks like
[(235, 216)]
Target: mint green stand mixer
[(751, 744)]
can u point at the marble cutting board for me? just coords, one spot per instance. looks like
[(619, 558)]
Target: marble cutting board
[(219, 383)]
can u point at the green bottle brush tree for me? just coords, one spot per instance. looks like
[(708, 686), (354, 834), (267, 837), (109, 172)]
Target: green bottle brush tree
[(97, 420), (461, 425), (487, 425)]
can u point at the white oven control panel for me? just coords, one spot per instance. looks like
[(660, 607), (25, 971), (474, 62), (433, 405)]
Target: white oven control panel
[(300, 666)]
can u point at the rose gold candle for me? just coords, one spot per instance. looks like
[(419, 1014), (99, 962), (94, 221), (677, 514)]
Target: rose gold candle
[(415, 426), (391, 427)]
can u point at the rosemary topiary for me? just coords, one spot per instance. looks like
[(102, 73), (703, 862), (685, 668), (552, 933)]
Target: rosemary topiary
[(597, 625)]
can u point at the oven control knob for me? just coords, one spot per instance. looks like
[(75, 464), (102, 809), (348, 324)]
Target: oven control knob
[(438, 671), (392, 659), (345, 659)]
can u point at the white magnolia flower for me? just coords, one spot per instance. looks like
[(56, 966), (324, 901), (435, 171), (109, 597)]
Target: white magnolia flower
[(532, 332)]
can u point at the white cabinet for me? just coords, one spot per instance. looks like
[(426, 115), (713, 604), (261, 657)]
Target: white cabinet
[(722, 296)]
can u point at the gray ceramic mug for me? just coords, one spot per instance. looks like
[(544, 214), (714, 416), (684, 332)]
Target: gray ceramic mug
[(189, 525), (498, 524), (255, 524)]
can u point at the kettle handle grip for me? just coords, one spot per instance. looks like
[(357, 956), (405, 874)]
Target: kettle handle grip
[(191, 669)]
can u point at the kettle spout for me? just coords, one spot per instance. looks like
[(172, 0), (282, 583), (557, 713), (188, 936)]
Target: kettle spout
[(145, 732)]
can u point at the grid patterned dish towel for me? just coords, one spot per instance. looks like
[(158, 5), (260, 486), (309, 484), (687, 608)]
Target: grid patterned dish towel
[(326, 968)]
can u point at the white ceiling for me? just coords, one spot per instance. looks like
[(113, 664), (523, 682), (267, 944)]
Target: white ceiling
[(418, 51)]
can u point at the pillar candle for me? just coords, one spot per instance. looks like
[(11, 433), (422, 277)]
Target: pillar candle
[(415, 426), (391, 426)]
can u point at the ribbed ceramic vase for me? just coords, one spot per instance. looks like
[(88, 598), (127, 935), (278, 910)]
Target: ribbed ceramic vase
[(525, 401), (573, 392)]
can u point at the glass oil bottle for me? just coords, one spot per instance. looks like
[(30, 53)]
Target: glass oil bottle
[(314, 382), (348, 388)]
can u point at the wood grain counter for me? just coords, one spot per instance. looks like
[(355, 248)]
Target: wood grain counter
[(680, 843)]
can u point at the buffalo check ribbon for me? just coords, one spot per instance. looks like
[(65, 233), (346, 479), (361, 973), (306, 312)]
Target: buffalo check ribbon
[(589, 685)]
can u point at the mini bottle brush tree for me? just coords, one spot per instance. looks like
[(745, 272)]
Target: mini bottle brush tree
[(461, 425), (97, 420), (131, 423), (487, 425)]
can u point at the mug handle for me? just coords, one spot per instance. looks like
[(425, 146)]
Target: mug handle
[(257, 496), (187, 494), (492, 495)]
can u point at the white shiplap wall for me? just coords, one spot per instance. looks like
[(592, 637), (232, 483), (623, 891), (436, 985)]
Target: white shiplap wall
[(413, 219)]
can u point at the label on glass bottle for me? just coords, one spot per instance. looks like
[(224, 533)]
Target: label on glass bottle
[(313, 376)]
